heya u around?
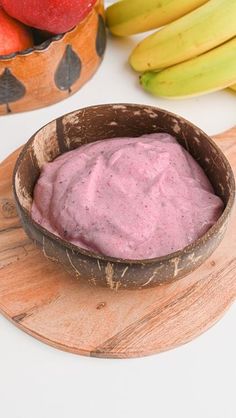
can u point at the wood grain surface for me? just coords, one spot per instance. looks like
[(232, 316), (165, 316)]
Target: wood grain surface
[(41, 299)]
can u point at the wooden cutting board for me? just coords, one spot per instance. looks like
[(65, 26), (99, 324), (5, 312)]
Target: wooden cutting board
[(41, 299)]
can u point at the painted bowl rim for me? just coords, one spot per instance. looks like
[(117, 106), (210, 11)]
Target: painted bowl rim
[(45, 45), (78, 250)]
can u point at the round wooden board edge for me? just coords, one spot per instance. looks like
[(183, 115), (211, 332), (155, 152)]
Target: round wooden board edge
[(113, 355)]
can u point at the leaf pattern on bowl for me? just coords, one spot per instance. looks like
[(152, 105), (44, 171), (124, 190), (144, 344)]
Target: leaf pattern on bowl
[(101, 37), (68, 70), (11, 89)]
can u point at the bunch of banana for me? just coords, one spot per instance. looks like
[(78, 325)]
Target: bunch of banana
[(216, 69), (129, 17), (189, 56)]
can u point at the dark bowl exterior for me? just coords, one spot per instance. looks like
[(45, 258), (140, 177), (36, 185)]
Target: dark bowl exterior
[(118, 120), (55, 69)]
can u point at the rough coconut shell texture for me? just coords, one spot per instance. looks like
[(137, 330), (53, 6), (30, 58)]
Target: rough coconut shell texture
[(101, 122)]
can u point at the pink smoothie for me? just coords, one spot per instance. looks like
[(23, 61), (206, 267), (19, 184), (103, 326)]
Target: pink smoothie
[(133, 198)]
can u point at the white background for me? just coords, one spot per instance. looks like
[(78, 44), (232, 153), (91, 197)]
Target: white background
[(196, 380)]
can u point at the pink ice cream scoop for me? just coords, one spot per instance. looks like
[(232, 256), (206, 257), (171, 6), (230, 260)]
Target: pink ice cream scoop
[(132, 198)]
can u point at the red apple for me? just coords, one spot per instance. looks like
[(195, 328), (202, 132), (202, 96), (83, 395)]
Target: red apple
[(14, 36), (55, 16)]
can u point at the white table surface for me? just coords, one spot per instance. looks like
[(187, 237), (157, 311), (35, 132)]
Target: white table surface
[(195, 380)]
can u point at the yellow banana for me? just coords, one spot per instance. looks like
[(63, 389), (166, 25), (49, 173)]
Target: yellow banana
[(199, 31), (128, 17), (209, 72), (233, 87)]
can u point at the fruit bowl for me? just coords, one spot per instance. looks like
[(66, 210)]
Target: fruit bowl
[(55, 69), (108, 121)]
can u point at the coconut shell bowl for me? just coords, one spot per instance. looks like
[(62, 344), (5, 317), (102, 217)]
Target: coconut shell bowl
[(106, 121), (54, 69)]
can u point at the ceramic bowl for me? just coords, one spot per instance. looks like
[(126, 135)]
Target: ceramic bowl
[(55, 69), (119, 120)]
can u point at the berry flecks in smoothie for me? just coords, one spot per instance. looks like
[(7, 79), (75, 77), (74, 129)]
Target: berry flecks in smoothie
[(131, 198)]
